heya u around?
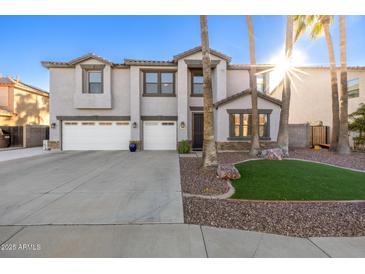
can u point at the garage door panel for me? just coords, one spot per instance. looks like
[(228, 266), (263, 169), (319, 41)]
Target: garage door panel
[(95, 135), (159, 135)]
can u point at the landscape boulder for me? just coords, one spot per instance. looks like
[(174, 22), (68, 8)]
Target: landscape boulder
[(271, 154), (228, 172)]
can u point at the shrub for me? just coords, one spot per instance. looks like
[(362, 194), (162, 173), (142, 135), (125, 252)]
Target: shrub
[(184, 147)]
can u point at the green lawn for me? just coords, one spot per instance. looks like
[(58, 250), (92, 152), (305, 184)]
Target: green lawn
[(297, 180)]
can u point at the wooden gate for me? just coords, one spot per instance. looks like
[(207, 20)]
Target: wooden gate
[(320, 135)]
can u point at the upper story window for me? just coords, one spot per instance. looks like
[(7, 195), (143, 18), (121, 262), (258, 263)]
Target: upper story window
[(241, 124), (260, 82), (197, 81), (93, 79), (159, 83), (353, 88), (95, 82)]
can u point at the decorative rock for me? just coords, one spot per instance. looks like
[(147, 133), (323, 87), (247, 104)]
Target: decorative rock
[(271, 154), (228, 172)]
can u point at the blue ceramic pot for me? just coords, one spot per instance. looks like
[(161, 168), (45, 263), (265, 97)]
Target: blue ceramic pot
[(132, 147)]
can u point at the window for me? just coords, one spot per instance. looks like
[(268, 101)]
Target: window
[(151, 80), (122, 123), (260, 82), (240, 124), (197, 83), (95, 82), (168, 124), (159, 83), (353, 88), (167, 83), (92, 78)]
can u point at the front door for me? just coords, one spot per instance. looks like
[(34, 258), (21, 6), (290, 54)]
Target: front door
[(198, 129)]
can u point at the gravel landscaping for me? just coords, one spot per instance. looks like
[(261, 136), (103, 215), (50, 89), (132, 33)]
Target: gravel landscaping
[(197, 180), (356, 160), (303, 219)]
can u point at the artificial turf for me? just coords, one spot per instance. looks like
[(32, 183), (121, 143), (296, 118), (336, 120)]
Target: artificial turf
[(297, 180)]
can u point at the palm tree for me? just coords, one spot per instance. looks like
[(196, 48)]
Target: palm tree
[(255, 144), (209, 146), (321, 24), (343, 140), (283, 136), (357, 124)]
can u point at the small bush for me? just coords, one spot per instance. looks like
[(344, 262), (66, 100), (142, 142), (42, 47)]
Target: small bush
[(184, 147)]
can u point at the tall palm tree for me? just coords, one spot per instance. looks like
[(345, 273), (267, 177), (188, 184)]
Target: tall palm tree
[(283, 136), (255, 144), (321, 24), (210, 157), (343, 140)]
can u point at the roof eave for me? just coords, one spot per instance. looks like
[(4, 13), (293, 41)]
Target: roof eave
[(244, 93), (177, 57)]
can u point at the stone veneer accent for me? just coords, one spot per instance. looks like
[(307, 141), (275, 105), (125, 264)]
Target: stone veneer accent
[(54, 145), (242, 145)]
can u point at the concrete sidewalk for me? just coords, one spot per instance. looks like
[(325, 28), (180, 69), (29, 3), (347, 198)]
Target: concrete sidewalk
[(12, 154), (165, 240)]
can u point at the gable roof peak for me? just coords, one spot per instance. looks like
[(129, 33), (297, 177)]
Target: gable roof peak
[(244, 93), (89, 56), (198, 49)]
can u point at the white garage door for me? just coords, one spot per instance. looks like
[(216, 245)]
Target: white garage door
[(159, 135), (95, 135)]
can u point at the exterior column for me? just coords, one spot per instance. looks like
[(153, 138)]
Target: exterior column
[(221, 80), (135, 105), (182, 100)]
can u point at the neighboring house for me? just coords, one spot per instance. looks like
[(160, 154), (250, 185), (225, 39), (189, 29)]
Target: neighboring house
[(22, 104), (96, 104), (311, 100)]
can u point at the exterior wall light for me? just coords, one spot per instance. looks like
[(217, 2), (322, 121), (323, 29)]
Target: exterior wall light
[(134, 125), (53, 125), (182, 124)]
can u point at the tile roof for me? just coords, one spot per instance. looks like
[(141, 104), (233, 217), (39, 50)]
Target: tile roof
[(244, 93), (148, 62), (271, 66), (8, 81), (73, 62)]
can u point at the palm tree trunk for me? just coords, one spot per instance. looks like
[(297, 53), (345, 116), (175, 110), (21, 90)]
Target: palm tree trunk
[(209, 146), (283, 136), (334, 87), (255, 144), (343, 140)]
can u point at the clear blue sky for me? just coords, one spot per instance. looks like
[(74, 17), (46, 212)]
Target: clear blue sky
[(27, 40)]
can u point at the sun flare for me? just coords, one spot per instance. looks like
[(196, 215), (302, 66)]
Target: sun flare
[(283, 65)]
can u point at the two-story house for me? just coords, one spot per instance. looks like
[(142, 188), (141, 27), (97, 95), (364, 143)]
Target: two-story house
[(99, 105), (22, 104)]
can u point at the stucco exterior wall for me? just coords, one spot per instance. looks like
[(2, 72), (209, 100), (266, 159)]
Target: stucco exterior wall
[(222, 117), (311, 96), (63, 88), (4, 96), (237, 81), (28, 108), (85, 100)]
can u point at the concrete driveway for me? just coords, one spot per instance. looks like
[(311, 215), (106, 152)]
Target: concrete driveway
[(91, 187)]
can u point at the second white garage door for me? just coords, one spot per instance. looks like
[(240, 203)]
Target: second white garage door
[(159, 135), (95, 135)]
